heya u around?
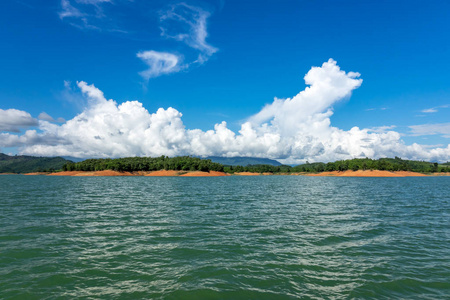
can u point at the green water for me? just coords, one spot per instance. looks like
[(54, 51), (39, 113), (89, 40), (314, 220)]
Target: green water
[(267, 237)]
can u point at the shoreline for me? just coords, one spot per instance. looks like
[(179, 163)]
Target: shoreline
[(175, 173), (160, 173)]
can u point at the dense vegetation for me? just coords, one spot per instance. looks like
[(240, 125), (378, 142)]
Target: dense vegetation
[(258, 169), (182, 163), (388, 164), (187, 163), (27, 164)]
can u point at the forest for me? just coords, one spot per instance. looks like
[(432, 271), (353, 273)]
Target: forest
[(388, 164), (188, 163), (24, 164), (182, 163)]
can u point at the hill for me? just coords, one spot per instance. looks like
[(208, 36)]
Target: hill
[(26, 164), (243, 161)]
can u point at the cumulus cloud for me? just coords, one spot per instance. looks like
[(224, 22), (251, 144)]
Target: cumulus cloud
[(293, 130), (13, 120), (328, 84), (159, 63), (188, 24)]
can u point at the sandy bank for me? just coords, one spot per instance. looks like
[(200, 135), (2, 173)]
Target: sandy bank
[(204, 174), (105, 173), (93, 173), (161, 173), (65, 173), (247, 174), (368, 173), (37, 173), (172, 173), (165, 173)]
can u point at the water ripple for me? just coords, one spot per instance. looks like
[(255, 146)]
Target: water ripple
[(271, 237)]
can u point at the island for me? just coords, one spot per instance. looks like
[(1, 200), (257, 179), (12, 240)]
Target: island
[(188, 166)]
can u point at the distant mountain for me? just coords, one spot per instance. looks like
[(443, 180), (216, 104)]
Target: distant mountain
[(26, 164), (74, 159), (243, 161)]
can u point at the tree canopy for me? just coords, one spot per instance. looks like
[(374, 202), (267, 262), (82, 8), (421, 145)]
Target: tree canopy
[(182, 163)]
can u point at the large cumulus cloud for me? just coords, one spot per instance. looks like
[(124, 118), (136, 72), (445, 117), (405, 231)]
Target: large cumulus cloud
[(293, 130)]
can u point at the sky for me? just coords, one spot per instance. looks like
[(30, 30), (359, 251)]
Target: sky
[(290, 80)]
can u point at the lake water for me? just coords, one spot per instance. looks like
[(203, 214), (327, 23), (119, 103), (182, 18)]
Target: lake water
[(266, 237)]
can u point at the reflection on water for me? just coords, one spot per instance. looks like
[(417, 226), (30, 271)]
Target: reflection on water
[(229, 237)]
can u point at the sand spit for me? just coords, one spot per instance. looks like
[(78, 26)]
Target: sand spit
[(248, 174), (161, 173), (368, 173), (105, 173), (204, 174), (174, 173), (441, 174), (37, 173), (65, 173), (93, 173), (164, 173)]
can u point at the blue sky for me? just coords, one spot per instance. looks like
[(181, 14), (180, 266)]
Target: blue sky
[(215, 61)]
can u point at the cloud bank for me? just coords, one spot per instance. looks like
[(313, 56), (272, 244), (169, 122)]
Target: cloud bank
[(292, 130)]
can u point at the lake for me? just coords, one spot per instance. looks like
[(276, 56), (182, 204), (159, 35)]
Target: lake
[(262, 237)]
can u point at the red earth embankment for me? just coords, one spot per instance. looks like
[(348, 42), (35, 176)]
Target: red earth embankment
[(368, 173)]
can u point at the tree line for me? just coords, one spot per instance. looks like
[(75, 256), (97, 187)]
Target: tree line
[(388, 164), (130, 164), (188, 163)]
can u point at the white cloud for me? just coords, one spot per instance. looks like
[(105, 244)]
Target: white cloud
[(182, 22), (13, 120), (431, 129), (293, 130), (159, 63), (328, 84), (188, 24)]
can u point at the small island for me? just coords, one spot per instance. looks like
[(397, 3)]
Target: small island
[(188, 166)]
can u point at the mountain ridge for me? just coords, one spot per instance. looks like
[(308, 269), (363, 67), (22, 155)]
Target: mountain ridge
[(243, 161)]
